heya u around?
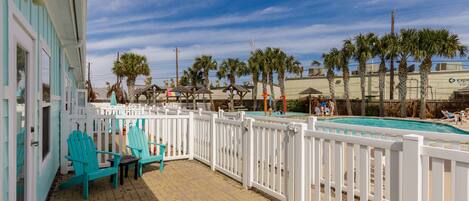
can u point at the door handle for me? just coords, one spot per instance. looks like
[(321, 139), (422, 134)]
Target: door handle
[(35, 143)]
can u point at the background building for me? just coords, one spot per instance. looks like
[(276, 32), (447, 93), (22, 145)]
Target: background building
[(442, 84)]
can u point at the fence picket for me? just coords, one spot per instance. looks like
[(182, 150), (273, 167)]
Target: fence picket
[(364, 172), (350, 172), (327, 169), (438, 172), (378, 175)]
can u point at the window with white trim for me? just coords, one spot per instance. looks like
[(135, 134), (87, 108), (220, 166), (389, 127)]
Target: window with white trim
[(45, 99)]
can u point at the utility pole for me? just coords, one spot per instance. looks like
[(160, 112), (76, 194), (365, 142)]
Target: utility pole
[(391, 69), (177, 66), (89, 73)]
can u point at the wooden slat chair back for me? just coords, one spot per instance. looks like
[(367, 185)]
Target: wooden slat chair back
[(139, 147), (83, 154)]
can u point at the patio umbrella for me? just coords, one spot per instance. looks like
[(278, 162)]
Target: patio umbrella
[(309, 91), (113, 99)]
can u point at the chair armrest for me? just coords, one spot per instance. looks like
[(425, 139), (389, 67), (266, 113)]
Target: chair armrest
[(138, 149), (161, 145), (117, 157), (107, 152), (76, 160)]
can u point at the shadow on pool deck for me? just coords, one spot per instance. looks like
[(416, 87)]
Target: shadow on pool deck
[(181, 180)]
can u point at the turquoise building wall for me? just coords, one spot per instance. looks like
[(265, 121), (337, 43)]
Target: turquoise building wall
[(41, 23)]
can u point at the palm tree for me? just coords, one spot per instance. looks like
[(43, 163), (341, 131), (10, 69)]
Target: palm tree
[(205, 63), (230, 69), (434, 43), (363, 52), (131, 65), (254, 65), (382, 48), (272, 62), (345, 54), (264, 70), (290, 65), (406, 44), (148, 81), (330, 61)]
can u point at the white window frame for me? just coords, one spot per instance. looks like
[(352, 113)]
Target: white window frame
[(81, 110), (44, 161)]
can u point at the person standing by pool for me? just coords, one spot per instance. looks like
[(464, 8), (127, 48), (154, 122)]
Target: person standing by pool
[(323, 106), (331, 107)]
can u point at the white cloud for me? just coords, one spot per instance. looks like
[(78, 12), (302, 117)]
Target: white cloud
[(269, 13)]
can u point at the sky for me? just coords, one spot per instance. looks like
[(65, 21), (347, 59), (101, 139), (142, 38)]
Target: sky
[(227, 28)]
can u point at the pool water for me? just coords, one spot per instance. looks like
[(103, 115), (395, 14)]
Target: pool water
[(275, 114), (399, 124)]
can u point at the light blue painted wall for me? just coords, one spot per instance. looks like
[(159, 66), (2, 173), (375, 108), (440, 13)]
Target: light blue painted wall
[(4, 103), (42, 25)]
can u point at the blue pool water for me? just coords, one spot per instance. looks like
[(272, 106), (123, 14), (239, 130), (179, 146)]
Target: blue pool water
[(275, 114), (400, 124)]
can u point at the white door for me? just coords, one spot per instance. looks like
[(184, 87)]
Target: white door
[(23, 135)]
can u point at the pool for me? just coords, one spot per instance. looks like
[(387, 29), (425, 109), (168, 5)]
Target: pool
[(399, 124), (275, 114)]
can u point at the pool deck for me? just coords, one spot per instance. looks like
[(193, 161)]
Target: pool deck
[(180, 180)]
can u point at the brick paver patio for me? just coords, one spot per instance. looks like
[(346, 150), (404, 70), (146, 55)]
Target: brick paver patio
[(181, 180)]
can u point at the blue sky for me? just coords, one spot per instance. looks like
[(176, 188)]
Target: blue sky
[(224, 28)]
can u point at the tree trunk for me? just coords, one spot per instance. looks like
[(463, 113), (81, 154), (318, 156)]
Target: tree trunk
[(207, 85), (254, 94), (382, 77), (425, 68), (281, 82), (272, 91), (330, 79), (362, 71), (346, 77), (232, 83), (403, 87), (264, 88), (130, 88)]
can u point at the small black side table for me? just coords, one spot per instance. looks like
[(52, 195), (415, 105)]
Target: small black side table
[(126, 160)]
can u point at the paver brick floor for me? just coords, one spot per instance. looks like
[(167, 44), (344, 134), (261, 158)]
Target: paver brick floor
[(180, 180)]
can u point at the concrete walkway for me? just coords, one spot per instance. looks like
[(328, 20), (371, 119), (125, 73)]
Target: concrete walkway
[(181, 180)]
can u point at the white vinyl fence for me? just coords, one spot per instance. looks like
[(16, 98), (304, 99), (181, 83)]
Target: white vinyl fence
[(296, 160), (109, 134)]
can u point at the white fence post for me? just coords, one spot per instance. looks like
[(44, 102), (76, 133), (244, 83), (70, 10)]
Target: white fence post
[(289, 166), (190, 134), (220, 113), (213, 135), (311, 163), (299, 164), (412, 168), (248, 163), (312, 122), (200, 111), (242, 115)]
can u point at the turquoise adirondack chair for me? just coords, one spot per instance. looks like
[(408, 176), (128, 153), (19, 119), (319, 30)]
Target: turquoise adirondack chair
[(138, 144), (83, 154)]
